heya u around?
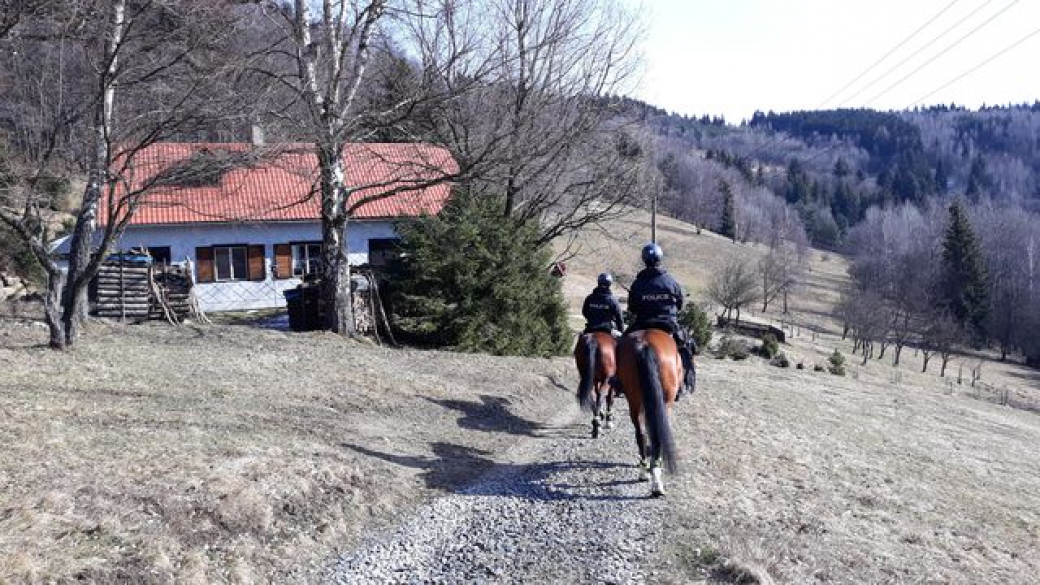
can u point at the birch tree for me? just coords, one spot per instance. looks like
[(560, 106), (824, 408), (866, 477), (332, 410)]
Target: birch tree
[(97, 83)]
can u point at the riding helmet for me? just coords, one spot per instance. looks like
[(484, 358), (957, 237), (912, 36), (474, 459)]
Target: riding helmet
[(605, 280), (652, 254)]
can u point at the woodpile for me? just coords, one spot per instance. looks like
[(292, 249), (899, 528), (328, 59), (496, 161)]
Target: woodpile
[(132, 288)]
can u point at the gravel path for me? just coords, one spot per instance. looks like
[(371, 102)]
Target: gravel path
[(567, 509)]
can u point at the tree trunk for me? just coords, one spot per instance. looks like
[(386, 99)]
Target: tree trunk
[(73, 297), (899, 351), (866, 352), (942, 371), (881, 354), (52, 308), (335, 292), (925, 356)]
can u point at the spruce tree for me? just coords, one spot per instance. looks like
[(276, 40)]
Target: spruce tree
[(729, 211), (964, 291), (473, 281)]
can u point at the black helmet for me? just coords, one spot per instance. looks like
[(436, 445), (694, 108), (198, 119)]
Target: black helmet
[(605, 280), (652, 254)]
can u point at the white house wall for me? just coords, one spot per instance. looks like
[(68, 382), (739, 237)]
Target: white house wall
[(241, 295)]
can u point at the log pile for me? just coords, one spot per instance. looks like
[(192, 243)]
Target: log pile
[(123, 290), (136, 290)]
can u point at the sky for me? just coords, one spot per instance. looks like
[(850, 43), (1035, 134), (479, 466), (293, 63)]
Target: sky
[(732, 57)]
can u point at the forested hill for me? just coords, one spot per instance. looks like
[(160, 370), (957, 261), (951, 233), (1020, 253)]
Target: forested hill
[(833, 165)]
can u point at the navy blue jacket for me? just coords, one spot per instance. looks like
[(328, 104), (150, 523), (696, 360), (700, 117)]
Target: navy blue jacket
[(655, 297), (602, 311)]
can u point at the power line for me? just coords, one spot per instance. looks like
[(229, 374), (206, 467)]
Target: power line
[(977, 67), (980, 65), (915, 53), (943, 52), (889, 53)]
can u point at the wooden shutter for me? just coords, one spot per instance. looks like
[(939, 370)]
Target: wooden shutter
[(204, 264), (282, 261), (256, 263)]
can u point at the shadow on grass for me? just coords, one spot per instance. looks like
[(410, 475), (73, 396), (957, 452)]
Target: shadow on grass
[(466, 470), (491, 415)]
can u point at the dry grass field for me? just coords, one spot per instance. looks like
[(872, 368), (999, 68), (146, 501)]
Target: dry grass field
[(230, 454), (226, 453)]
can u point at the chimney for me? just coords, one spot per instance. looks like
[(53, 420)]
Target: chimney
[(256, 135)]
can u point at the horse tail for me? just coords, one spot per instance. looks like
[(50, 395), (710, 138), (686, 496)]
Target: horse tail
[(653, 402), (588, 372)]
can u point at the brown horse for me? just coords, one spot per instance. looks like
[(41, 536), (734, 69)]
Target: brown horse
[(650, 371), (594, 355)]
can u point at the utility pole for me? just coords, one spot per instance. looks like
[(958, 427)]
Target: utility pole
[(653, 211)]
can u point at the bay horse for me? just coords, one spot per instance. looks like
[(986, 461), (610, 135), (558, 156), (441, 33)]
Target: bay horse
[(594, 356), (650, 371)]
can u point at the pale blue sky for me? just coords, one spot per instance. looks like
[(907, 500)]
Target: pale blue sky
[(732, 57)]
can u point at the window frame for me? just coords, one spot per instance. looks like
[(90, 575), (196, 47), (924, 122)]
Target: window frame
[(306, 246), (231, 262)]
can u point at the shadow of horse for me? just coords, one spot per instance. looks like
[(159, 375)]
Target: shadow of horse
[(467, 470), (491, 414)]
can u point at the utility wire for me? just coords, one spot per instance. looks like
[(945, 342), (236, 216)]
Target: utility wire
[(915, 53), (977, 67), (780, 139), (941, 53), (890, 51), (980, 65)]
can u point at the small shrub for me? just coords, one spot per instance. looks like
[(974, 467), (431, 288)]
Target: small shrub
[(733, 348), (781, 361), (837, 363), (818, 368), (800, 366), (697, 322), (770, 347)]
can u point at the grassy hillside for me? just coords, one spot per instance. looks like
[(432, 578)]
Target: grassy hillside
[(226, 453)]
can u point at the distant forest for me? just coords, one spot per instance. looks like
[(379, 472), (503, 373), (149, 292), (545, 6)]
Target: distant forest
[(834, 165)]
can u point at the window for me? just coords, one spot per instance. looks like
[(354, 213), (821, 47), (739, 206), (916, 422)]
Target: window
[(306, 259), (160, 254), (382, 251), (230, 263)]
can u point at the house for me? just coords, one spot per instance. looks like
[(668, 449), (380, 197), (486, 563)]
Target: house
[(250, 229)]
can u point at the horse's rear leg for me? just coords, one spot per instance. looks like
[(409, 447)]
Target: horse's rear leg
[(596, 414), (610, 405), (644, 465)]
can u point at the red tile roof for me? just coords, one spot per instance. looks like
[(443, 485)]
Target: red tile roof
[(280, 183)]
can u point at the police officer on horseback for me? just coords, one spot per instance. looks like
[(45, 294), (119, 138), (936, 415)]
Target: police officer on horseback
[(656, 299), (601, 309)]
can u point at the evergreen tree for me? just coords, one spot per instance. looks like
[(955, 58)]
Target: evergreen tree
[(977, 179), (729, 211), (964, 291), (473, 281)]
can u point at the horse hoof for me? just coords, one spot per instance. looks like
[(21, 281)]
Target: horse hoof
[(610, 424), (595, 433), (656, 493)]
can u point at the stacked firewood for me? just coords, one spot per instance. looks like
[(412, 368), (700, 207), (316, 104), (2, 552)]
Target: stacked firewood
[(132, 288)]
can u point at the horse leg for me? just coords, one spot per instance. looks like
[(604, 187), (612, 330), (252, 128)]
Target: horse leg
[(644, 465), (596, 415), (656, 481), (610, 406)]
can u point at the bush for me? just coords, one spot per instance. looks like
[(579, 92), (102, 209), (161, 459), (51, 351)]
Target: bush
[(697, 322), (800, 366), (781, 361), (770, 347), (733, 348), (818, 368), (837, 363), (473, 281)]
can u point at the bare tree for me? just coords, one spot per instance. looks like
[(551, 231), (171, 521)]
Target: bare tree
[(733, 287), (98, 85), (539, 131), (940, 336)]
